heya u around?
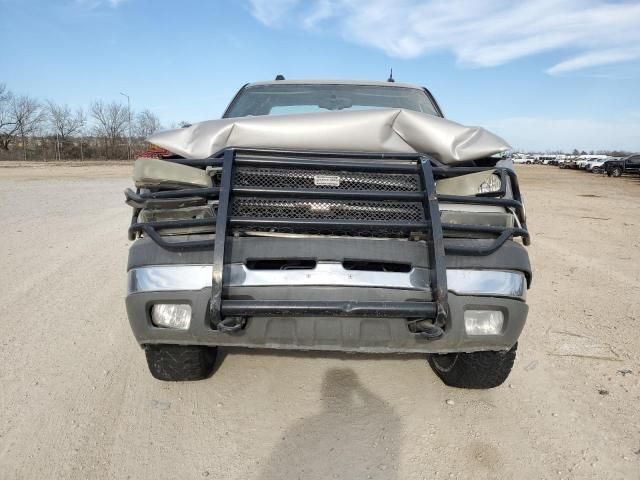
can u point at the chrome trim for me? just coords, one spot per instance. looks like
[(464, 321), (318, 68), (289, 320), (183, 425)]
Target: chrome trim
[(326, 274), (161, 278)]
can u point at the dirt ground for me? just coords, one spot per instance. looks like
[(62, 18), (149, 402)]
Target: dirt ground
[(77, 401)]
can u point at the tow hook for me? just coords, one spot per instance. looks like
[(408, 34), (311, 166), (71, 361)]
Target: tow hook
[(231, 324), (426, 329)]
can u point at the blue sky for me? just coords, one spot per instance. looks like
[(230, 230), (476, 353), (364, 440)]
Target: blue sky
[(550, 74)]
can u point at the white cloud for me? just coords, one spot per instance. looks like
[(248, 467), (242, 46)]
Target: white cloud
[(270, 12), (595, 58), (538, 133), (479, 33), (99, 3)]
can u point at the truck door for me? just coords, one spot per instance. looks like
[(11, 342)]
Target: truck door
[(633, 164)]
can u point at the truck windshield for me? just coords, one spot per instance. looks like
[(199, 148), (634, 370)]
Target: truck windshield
[(301, 98)]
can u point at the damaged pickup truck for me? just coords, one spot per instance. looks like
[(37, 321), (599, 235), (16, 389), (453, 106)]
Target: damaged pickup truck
[(319, 215)]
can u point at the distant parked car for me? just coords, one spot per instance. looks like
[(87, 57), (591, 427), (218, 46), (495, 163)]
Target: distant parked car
[(630, 164), (584, 161), (595, 163), (521, 160), (569, 164), (546, 159), (600, 165)]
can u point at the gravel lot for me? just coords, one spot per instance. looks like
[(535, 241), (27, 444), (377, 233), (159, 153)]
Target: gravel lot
[(77, 401)]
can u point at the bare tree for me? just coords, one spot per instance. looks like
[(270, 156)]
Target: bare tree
[(28, 116), (64, 122), (147, 123), (8, 124), (110, 122), (27, 113)]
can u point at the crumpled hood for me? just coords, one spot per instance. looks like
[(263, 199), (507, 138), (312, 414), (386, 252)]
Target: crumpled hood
[(380, 130)]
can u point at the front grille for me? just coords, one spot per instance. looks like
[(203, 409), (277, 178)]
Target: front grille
[(324, 209), (324, 179), (328, 209)]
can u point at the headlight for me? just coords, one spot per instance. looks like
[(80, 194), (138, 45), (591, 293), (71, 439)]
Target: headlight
[(493, 283), (171, 315), (490, 185)]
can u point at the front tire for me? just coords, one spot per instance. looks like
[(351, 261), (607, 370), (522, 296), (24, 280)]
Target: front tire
[(179, 363), (478, 370), (616, 172)]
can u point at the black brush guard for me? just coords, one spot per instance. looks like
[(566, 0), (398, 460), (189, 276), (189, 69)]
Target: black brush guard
[(229, 315)]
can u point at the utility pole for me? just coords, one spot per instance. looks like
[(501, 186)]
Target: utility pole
[(82, 120), (129, 111)]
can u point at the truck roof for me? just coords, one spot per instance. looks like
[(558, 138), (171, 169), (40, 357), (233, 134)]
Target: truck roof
[(372, 83)]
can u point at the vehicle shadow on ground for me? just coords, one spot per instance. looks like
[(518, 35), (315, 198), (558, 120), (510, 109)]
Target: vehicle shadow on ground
[(355, 435)]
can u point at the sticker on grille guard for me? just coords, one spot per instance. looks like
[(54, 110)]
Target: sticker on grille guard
[(326, 180)]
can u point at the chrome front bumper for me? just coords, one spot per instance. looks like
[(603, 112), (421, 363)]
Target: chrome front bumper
[(163, 278)]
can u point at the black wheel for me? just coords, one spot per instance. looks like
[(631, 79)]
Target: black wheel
[(177, 363), (616, 172), (473, 370)]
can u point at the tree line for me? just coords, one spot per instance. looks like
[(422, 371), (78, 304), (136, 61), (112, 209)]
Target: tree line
[(32, 129)]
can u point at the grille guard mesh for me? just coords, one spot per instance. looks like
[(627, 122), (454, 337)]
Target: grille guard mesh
[(330, 210), (304, 178)]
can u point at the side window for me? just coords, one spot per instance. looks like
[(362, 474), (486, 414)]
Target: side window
[(635, 161)]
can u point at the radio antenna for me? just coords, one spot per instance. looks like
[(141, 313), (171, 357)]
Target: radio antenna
[(390, 79)]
